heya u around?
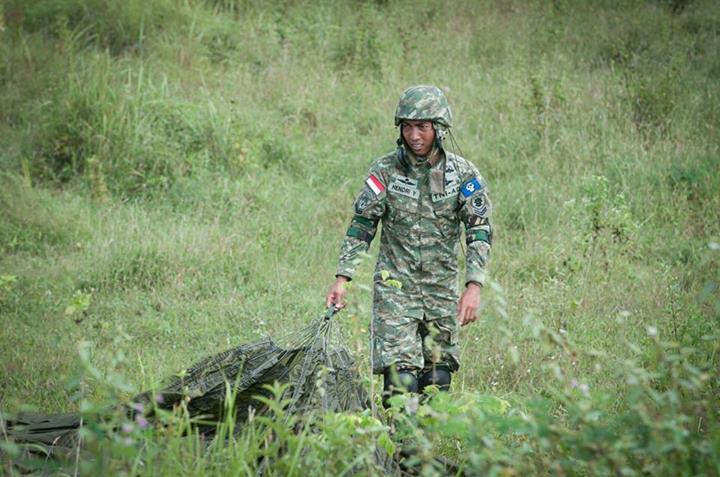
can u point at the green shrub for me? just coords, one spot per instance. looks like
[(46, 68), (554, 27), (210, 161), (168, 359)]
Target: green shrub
[(668, 424), (607, 212)]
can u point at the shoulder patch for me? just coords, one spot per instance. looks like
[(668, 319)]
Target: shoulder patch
[(470, 187), (365, 198), (375, 185)]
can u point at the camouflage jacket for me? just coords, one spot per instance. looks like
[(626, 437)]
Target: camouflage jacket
[(421, 208)]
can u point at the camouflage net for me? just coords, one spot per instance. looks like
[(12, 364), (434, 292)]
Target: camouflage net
[(319, 372)]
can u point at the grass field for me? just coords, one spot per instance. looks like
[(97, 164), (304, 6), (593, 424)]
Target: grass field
[(176, 178)]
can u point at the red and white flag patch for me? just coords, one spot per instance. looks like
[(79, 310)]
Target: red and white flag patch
[(375, 184)]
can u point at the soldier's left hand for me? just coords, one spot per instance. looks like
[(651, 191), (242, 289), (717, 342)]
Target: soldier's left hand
[(469, 304)]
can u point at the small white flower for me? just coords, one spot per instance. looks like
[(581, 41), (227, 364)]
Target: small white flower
[(651, 331)]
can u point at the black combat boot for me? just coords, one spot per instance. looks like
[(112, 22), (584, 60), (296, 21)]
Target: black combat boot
[(397, 382), (439, 376)]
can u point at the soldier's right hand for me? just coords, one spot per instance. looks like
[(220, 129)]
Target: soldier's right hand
[(336, 294)]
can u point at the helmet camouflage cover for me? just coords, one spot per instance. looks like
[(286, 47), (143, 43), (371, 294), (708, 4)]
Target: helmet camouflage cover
[(424, 103)]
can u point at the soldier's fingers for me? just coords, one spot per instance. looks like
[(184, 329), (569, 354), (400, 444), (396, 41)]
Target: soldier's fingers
[(469, 315), (461, 314), (473, 314)]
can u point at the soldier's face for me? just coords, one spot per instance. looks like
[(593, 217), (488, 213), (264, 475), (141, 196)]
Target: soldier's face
[(419, 136)]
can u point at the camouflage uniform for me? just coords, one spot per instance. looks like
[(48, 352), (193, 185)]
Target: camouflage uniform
[(421, 203)]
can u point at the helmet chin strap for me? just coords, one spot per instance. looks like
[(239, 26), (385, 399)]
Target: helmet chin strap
[(402, 154), (439, 136)]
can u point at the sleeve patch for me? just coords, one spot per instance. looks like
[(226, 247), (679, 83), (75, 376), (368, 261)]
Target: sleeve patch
[(479, 205), (479, 235), (374, 183), (470, 187), (360, 234)]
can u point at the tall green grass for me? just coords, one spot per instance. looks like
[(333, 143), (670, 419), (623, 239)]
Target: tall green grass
[(177, 177)]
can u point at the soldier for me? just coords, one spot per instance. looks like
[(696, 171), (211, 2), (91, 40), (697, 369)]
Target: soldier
[(422, 193)]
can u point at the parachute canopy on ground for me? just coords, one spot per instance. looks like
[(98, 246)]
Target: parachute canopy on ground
[(318, 370)]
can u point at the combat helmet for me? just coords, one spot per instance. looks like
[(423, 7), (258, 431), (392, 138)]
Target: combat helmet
[(424, 103)]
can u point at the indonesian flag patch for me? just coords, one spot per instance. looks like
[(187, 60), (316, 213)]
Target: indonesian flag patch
[(375, 184)]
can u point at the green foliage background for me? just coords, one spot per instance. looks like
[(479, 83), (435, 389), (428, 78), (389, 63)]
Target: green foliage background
[(177, 177)]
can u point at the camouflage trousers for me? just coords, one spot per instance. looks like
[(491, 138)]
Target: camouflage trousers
[(409, 338)]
